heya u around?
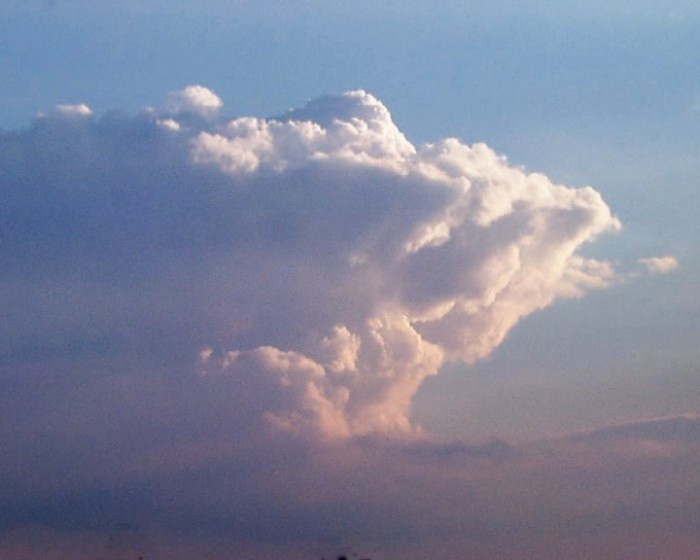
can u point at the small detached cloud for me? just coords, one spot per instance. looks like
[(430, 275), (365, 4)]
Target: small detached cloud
[(660, 265), (79, 110)]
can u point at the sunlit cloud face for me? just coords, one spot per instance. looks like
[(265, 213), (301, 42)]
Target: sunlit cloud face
[(319, 258), (446, 245)]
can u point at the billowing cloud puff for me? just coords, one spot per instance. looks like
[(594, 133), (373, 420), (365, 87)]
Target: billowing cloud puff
[(319, 258), (195, 99)]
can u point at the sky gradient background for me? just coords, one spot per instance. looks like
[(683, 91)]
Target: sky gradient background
[(231, 339)]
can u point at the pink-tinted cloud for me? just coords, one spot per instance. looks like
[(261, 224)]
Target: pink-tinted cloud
[(214, 330)]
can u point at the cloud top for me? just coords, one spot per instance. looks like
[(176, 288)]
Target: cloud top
[(194, 99)]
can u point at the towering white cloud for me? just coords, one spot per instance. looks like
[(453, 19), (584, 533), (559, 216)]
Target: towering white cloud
[(319, 260), (468, 246)]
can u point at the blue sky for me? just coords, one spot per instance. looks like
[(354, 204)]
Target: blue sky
[(131, 252)]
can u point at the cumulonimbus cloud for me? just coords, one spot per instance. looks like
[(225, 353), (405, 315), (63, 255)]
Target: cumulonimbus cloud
[(319, 258)]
